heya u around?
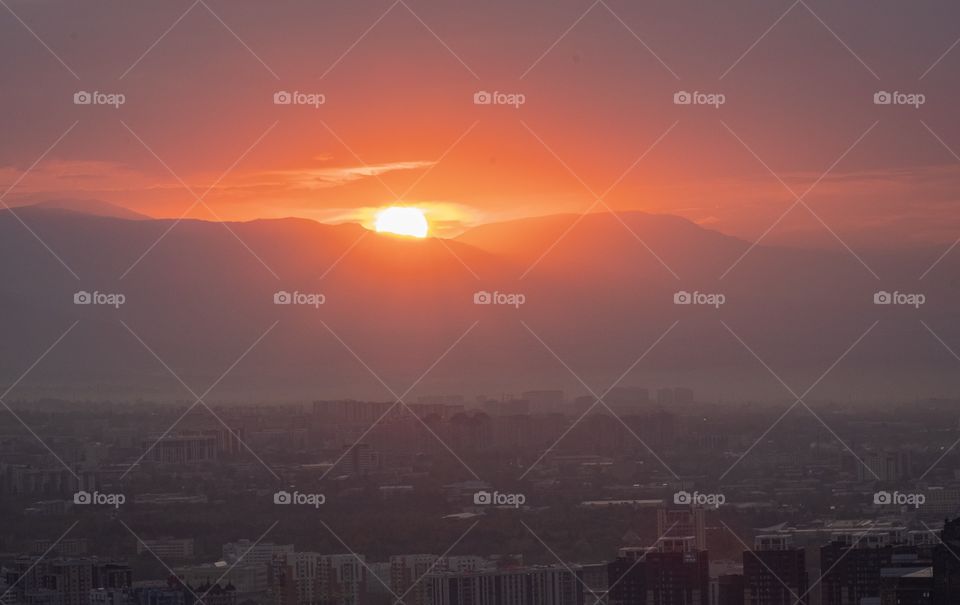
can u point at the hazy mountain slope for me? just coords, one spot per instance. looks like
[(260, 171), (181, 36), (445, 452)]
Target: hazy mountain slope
[(599, 298)]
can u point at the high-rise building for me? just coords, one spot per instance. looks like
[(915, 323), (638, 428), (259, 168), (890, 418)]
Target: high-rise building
[(406, 572), (683, 521), (167, 548), (70, 579), (885, 465), (542, 585), (946, 567), (774, 572), (852, 564), (674, 572), (727, 589), (906, 585)]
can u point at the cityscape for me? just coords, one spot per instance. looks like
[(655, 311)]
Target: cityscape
[(531, 508), (479, 302)]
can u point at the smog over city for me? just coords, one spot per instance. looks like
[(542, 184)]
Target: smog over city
[(425, 302)]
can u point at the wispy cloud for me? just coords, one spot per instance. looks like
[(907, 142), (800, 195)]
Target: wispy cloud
[(321, 178)]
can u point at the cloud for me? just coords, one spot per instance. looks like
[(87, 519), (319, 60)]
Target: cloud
[(322, 178)]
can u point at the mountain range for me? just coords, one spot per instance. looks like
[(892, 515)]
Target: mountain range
[(597, 292)]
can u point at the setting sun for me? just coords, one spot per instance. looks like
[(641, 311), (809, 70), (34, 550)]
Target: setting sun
[(401, 220)]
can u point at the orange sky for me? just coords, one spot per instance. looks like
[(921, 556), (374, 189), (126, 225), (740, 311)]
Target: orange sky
[(399, 123)]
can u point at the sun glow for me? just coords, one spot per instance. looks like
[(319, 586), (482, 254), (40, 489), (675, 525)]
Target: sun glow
[(402, 220)]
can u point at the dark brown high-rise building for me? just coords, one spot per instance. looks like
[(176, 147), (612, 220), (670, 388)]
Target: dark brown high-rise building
[(775, 572)]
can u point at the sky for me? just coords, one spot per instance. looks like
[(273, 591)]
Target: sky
[(199, 133)]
